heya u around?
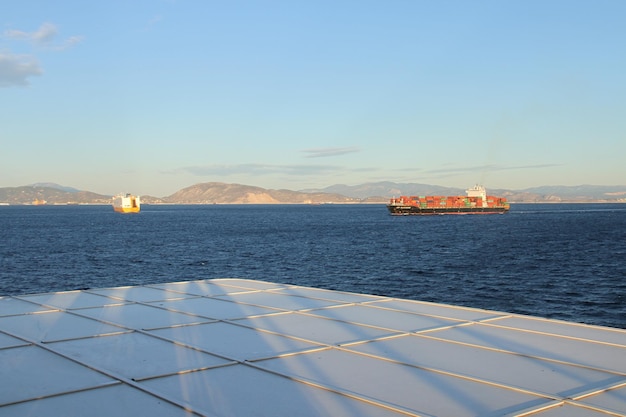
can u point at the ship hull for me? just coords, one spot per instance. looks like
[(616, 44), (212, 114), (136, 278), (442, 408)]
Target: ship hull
[(126, 209), (431, 211)]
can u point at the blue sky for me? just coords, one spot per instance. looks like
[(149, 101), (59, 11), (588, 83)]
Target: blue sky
[(153, 96)]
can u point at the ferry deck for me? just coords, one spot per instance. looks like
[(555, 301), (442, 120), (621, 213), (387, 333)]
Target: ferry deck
[(236, 347)]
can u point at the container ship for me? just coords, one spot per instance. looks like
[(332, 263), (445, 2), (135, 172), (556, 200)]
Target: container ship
[(476, 202), (126, 203)]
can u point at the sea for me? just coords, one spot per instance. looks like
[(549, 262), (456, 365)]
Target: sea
[(561, 261)]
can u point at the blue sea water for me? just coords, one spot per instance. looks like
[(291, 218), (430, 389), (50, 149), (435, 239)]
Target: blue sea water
[(564, 261)]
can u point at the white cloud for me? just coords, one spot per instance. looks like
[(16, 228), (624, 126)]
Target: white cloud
[(41, 37), (45, 34), (16, 69), (488, 168), (44, 37), (260, 169), (325, 152), (69, 42)]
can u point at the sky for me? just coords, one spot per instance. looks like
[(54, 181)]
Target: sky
[(150, 97)]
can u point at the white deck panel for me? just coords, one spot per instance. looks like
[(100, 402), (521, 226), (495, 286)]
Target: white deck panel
[(235, 342), (212, 308), (140, 316), (71, 300), (13, 306), (235, 347)]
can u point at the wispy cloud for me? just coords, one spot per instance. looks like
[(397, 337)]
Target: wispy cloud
[(487, 168), (154, 20), (69, 42), (44, 37), (326, 152), (16, 69), (152, 23), (259, 169)]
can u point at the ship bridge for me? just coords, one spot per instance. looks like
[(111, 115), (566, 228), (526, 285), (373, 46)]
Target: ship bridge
[(478, 191)]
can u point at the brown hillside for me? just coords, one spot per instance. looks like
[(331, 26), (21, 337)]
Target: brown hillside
[(222, 193)]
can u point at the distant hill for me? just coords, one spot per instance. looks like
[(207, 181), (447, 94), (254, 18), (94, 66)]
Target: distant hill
[(580, 192), (46, 195), (379, 192), (54, 185), (545, 194), (385, 190), (222, 193)]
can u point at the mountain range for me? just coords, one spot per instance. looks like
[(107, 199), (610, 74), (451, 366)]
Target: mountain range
[(379, 192)]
